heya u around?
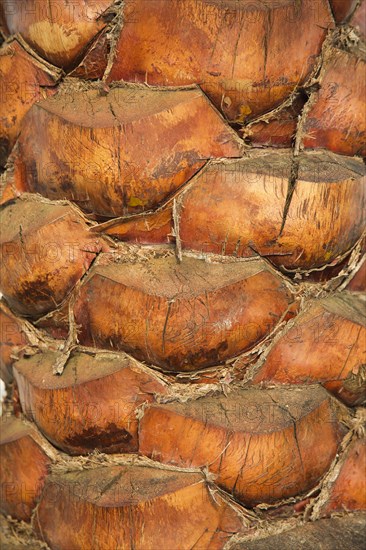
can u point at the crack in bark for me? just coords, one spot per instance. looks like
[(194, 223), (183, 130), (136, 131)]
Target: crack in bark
[(110, 483), (237, 44), (242, 466), (290, 192), (170, 302)]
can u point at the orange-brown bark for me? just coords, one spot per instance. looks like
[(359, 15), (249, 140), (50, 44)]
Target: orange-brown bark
[(12, 340), (326, 344), (221, 141), (237, 208), (273, 133), (94, 62), (260, 444), (336, 119), (59, 30), (56, 323), (235, 51), (149, 228), (348, 492), (132, 507), (342, 9), (25, 80), (120, 152), (277, 129), (45, 249), (180, 316), (92, 405), (23, 465)]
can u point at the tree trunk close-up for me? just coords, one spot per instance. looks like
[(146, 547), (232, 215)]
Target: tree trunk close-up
[(183, 274)]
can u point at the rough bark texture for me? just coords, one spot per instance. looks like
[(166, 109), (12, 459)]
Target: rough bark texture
[(24, 466), (59, 31), (348, 491), (237, 209), (325, 534), (92, 405), (343, 98), (236, 52), (133, 497), (327, 344), (26, 79), (46, 248), (180, 317), (13, 339), (102, 164), (182, 312), (259, 444)]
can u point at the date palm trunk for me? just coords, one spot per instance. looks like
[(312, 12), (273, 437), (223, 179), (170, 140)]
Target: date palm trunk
[(183, 274)]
